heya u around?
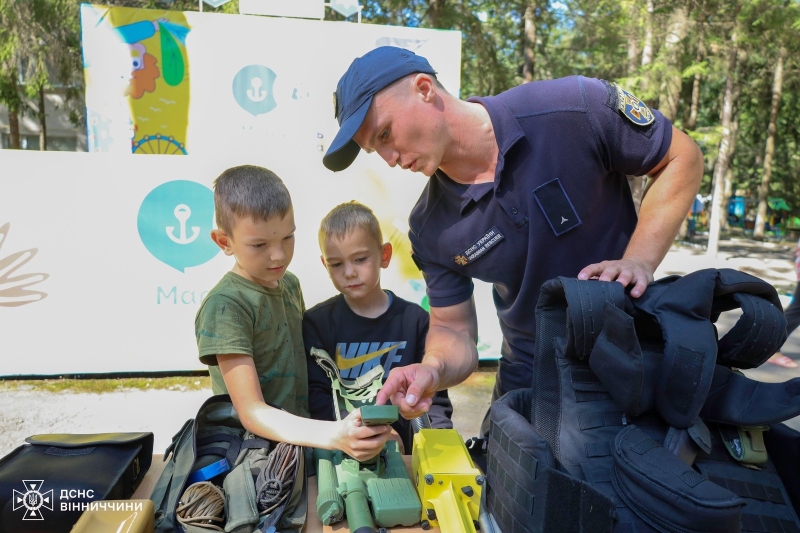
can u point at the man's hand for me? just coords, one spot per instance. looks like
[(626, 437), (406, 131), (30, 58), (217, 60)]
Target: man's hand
[(625, 271), (411, 388)]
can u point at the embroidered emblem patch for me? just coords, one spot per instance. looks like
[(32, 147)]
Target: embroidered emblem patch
[(634, 109), (479, 247)]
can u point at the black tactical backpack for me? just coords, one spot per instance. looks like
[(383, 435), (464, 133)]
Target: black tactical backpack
[(638, 419)]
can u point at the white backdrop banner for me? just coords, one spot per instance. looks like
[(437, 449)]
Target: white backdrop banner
[(104, 259), (106, 256)]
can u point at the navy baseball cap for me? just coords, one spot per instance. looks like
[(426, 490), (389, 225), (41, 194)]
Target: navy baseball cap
[(366, 76)]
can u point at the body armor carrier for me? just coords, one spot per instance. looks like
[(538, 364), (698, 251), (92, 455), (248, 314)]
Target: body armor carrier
[(638, 419)]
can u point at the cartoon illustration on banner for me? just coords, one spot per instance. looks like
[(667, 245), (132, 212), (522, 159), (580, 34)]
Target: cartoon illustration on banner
[(157, 89), (14, 290)]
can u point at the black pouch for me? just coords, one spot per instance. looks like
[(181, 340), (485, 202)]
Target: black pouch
[(46, 485), (666, 492)]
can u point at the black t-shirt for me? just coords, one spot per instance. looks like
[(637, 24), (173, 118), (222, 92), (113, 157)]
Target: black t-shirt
[(358, 344)]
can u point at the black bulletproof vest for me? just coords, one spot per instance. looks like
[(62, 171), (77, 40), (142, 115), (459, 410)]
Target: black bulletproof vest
[(622, 429)]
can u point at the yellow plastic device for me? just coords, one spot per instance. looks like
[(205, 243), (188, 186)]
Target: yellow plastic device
[(119, 516), (448, 484)]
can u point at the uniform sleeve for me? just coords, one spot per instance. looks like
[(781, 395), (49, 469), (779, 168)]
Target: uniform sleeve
[(320, 401), (626, 147), (223, 327), (441, 410), (445, 286)]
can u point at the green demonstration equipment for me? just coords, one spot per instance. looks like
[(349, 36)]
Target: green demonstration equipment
[(377, 491)]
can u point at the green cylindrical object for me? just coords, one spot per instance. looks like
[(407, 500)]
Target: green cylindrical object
[(359, 517), (330, 507)]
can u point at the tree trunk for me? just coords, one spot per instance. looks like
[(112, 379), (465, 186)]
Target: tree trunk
[(42, 121), (529, 41), (14, 108), (637, 187), (647, 49), (769, 151), (13, 129), (691, 123), (728, 185), (436, 13), (723, 160), (633, 40), (670, 92)]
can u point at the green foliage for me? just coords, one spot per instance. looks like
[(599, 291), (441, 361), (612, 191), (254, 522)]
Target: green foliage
[(40, 46)]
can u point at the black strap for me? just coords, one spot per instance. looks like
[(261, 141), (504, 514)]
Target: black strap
[(759, 333), (586, 302)]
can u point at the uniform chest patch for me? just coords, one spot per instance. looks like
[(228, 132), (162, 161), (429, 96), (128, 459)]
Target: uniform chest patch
[(632, 108), (479, 247), (557, 207)]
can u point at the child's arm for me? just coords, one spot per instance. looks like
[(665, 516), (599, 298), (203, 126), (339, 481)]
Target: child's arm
[(320, 398), (349, 435)]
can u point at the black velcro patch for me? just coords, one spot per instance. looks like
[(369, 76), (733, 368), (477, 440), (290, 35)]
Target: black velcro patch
[(556, 206), (479, 247)]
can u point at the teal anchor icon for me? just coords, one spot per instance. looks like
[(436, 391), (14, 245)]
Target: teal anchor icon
[(182, 213), (253, 89), (256, 94)]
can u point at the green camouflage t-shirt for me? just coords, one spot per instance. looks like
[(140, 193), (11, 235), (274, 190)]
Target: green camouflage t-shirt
[(242, 317)]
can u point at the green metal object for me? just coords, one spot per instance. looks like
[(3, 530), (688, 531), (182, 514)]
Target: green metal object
[(367, 493), (381, 484), (375, 415)]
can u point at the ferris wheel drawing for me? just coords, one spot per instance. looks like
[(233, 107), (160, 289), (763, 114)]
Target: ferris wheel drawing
[(158, 144)]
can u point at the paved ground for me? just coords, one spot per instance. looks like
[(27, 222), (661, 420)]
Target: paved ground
[(27, 412)]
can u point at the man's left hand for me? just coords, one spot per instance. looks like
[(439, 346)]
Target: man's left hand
[(625, 271)]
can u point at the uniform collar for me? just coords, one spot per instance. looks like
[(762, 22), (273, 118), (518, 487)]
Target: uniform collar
[(507, 132)]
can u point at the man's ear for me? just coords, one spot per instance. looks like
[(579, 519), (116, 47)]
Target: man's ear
[(425, 86), (322, 260), (222, 240), (386, 254)]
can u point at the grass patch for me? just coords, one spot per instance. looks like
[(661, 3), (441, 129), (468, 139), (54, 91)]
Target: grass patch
[(100, 386), (480, 379)]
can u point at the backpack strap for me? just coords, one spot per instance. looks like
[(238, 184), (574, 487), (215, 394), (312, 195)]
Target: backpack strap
[(682, 307), (741, 401), (348, 394), (169, 486), (586, 302), (760, 331)]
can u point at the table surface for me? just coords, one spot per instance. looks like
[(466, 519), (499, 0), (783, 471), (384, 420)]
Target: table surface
[(313, 524)]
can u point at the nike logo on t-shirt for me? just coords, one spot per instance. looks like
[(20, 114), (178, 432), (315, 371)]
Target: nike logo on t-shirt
[(345, 364)]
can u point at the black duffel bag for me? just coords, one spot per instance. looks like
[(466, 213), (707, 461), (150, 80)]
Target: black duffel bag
[(46, 484)]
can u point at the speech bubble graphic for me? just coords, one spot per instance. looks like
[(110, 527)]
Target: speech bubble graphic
[(174, 223), (253, 89)]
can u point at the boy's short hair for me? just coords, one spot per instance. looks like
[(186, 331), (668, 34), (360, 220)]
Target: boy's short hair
[(347, 217), (249, 191)]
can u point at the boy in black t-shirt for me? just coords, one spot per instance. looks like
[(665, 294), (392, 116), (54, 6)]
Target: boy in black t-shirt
[(364, 326)]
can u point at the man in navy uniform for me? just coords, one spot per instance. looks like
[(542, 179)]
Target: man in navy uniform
[(524, 186)]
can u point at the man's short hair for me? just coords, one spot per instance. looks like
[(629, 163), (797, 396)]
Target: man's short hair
[(346, 218), (249, 191)]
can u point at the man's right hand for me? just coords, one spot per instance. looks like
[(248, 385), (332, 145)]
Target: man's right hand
[(411, 388)]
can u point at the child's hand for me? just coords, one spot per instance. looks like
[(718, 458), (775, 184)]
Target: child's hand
[(359, 441)]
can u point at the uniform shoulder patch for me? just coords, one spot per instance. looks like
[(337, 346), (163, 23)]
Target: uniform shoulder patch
[(632, 108)]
